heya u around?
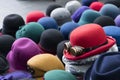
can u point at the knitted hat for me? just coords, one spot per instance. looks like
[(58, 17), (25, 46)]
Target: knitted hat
[(48, 23), (67, 28), (117, 20), (96, 5), (106, 67), (63, 75), (113, 31), (89, 45), (87, 2), (16, 75), (49, 40), (31, 30), (88, 16), (72, 6), (6, 42), (104, 21), (22, 50), (33, 16), (61, 15), (4, 66), (110, 10), (40, 64), (11, 24), (114, 2), (77, 14), (51, 7)]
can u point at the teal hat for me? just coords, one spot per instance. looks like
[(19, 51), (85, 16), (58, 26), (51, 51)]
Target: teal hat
[(88, 16), (31, 30), (58, 75)]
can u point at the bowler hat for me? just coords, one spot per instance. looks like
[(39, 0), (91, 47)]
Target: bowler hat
[(114, 2), (87, 2), (117, 20)]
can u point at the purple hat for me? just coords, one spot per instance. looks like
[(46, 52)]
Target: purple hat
[(117, 20), (22, 50), (77, 14)]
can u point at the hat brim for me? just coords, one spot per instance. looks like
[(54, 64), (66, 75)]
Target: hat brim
[(99, 50)]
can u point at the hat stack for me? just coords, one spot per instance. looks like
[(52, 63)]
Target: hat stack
[(61, 15), (87, 2), (48, 23), (102, 69), (6, 42), (110, 10), (67, 28), (51, 7), (22, 50), (114, 2), (113, 31), (72, 6), (117, 21), (88, 16), (40, 64), (86, 43), (11, 24), (63, 75), (104, 21), (77, 14), (33, 16), (32, 30), (96, 5)]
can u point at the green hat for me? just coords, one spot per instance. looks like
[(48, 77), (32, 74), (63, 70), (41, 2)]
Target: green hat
[(31, 30)]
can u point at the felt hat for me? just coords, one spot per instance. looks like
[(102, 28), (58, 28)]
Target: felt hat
[(49, 40), (82, 45), (11, 24), (113, 31), (88, 16), (77, 14), (48, 23), (33, 16), (104, 21), (114, 2), (67, 28), (51, 7), (32, 30), (110, 10), (96, 5), (61, 15), (16, 75), (72, 6), (87, 2), (63, 75), (6, 42), (38, 65), (22, 50), (106, 67), (117, 21)]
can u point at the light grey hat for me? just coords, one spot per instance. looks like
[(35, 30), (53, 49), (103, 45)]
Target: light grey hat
[(61, 15), (72, 6)]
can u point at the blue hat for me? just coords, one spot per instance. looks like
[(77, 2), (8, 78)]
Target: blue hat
[(117, 20), (106, 67), (48, 23), (88, 16), (87, 2), (113, 31), (67, 28), (110, 10), (77, 14)]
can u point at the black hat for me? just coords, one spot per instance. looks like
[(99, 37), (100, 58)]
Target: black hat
[(104, 21), (11, 24), (50, 39), (51, 7), (114, 2), (6, 42)]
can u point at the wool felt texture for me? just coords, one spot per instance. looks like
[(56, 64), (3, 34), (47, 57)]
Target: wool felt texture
[(117, 21), (87, 2), (114, 2)]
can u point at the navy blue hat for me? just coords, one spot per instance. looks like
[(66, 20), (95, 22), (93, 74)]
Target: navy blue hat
[(113, 31), (11, 24), (67, 28), (104, 21), (48, 23), (106, 67), (87, 2)]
